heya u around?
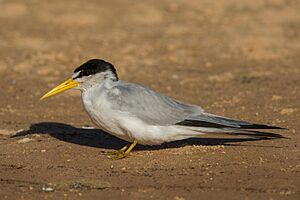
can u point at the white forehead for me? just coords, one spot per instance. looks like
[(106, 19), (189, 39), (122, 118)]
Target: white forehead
[(75, 74)]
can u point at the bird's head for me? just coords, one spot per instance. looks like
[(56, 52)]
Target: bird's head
[(92, 72)]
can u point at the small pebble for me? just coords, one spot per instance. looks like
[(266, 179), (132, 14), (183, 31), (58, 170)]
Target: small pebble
[(46, 188), (178, 198), (175, 76), (77, 185)]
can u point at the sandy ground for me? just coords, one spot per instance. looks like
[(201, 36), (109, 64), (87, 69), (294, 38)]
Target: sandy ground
[(235, 58)]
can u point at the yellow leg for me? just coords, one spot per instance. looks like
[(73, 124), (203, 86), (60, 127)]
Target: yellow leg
[(125, 153), (117, 152)]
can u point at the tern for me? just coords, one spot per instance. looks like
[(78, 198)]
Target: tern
[(139, 115)]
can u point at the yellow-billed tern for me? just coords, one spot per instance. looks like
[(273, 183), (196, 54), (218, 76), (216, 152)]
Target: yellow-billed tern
[(137, 114)]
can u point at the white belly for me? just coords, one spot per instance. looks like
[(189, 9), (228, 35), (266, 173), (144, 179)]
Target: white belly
[(128, 127)]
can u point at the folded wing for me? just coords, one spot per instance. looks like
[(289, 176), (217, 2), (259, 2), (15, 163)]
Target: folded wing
[(156, 109)]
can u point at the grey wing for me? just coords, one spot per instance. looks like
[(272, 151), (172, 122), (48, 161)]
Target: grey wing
[(149, 106), (157, 109)]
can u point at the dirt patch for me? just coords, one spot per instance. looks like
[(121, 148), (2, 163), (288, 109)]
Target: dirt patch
[(237, 59)]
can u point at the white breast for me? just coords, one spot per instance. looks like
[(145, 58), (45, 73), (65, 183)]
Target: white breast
[(99, 109)]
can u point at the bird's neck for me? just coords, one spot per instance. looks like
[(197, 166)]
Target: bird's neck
[(96, 84), (109, 83), (95, 95)]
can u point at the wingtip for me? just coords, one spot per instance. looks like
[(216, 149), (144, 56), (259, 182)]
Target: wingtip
[(277, 127), (280, 128), (262, 126)]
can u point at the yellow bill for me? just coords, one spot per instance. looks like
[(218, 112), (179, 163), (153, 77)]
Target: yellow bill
[(68, 84)]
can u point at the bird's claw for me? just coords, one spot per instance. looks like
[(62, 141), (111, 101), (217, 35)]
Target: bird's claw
[(113, 153), (120, 156), (121, 153)]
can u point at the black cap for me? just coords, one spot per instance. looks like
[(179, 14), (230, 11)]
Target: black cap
[(94, 66)]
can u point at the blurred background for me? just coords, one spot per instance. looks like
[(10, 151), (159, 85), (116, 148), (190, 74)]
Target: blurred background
[(235, 58), (204, 52)]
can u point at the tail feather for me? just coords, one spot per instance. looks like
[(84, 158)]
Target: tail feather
[(235, 132), (254, 133)]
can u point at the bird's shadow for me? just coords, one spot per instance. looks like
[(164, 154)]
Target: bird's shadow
[(100, 139)]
